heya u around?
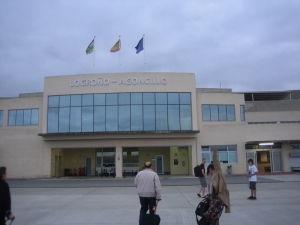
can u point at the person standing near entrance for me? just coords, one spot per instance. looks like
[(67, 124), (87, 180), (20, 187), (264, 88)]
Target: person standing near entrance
[(202, 178), (5, 199), (252, 171), (148, 188)]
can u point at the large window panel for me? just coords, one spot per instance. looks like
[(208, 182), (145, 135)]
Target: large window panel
[(64, 120), (136, 117), (173, 98), (52, 120), (148, 99), (75, 119), (242, 112), (124, 118), (34, 116), (161, 114), (20, 117), (149, 117), (27, 116), (226, 153), (64, 101), (173, 117), (12, 117), (232, 156), (136, 98), (161, 98), (75, 100), (99, 118), (124, 99), (230, 113), (87, 100), (185, 98), (53, 101), (111, 118), (214, 112), (205, 113), (111, 99), (222, 113), (185, 117), (99, 99), (87, 119)]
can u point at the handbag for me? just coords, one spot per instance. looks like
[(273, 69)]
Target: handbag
[(200, 210)]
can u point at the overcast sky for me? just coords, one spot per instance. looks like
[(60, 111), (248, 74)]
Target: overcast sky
[(247, 45)]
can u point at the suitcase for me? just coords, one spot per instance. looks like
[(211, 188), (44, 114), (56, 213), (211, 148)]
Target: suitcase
[(151, 219)]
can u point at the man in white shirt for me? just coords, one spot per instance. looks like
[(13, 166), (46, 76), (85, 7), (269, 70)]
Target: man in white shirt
[(252, 171)]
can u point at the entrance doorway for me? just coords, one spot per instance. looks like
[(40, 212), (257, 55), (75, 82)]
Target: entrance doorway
[(159, 162), (266, 160), (88, 165)]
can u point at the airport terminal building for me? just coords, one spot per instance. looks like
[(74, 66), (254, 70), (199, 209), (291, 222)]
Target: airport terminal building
[(110, 124)]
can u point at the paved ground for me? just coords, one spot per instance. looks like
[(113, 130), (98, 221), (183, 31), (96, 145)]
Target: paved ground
[(54, 202)]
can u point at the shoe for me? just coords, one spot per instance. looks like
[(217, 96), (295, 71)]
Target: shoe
[(254, 198), (199, 195), (251, 197)]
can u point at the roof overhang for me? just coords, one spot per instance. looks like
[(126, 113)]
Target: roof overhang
[(273, 141)]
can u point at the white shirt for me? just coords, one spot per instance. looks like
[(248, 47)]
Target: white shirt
[(252, 170)]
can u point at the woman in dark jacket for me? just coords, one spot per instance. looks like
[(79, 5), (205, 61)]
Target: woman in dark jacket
[(5, 200)]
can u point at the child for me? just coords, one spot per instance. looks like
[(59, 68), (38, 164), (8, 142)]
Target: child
[(252, 171)]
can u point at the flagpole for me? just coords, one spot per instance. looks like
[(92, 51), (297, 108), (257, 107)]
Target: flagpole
[(120, 51), (144, 51), (94, 50)]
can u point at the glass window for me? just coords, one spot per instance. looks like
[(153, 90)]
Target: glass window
[(161, 117), (64, 101), (12, 117), (75, 100), (87, 100), (173, 98), (206, 155), (124, 99), (1, 118), (222, 113), (160, 98), (242, 112), (64, 121), (223, 157), (295, 146), (52, 120), (75, 119), (136, 98), (136, 117), (214, 114), (124, 118), (53, 101), (111, 99), (111, 118), (185, 98), (173, 117), (87, 119), (34, 116), (99, 99), (149, 117), (99, 118), (186, 117), (226, 154), (148, 98), (230, 113), (232, 157), (205, 113), (27, 116), (20, 117)]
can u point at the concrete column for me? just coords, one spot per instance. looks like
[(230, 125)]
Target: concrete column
[(195, 155), (119, 162)]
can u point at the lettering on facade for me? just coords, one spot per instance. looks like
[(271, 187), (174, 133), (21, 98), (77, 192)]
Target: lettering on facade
[(123, 81)]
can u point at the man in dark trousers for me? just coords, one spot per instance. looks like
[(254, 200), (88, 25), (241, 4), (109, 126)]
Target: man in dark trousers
[(5, 200), (202, 179), (148, 188)]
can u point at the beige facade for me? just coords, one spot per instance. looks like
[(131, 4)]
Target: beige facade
[(30, 151)]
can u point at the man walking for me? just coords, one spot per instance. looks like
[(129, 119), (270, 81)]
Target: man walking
[(148, 188), (202, 178)]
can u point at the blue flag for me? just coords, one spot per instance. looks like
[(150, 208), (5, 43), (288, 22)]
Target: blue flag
[(140, 46)]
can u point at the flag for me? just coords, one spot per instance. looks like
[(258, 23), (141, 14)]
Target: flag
[(90, 48), (140, 46), (116, 47)]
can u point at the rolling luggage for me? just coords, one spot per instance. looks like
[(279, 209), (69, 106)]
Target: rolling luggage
[(151, 219)]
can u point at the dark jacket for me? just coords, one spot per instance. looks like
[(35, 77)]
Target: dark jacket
[(5, 200)]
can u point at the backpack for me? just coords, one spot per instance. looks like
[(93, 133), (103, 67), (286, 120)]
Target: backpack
[(197, 171)]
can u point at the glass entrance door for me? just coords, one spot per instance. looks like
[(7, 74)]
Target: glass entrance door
[(159, 164), (88, 165), (276, 160)]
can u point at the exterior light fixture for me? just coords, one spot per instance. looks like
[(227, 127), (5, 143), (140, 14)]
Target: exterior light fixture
[(269, 143)]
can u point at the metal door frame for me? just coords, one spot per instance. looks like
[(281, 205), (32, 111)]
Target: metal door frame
[(162, 164)]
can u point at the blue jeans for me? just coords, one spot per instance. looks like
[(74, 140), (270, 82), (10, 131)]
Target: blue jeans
[(147, 203)]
